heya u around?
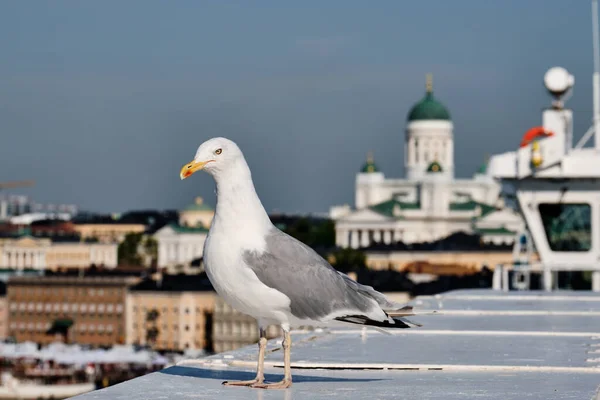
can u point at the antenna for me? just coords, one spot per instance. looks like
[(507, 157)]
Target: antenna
[(596, 77)]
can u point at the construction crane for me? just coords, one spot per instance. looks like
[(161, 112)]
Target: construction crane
[(15, 184)]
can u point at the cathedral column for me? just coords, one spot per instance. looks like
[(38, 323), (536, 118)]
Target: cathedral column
[(364, 238), (354, 239), (377, 236), (343, 238), (387, 237)]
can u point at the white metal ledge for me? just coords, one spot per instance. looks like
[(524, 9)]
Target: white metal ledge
[(484, 344)]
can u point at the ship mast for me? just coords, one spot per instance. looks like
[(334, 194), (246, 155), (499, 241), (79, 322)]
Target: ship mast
[(596, 77)]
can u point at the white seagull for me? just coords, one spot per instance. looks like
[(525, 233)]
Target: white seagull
[(267, 274)]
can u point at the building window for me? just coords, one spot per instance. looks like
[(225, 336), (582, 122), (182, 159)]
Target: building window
[(187, 310), (119, 308), (416, 150), (187, 328), (110, 308), (568, 227)]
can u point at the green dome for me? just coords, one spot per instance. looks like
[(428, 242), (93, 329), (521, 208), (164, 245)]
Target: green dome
[(369, 166), (198, 205), (429, 108), (482, 169)]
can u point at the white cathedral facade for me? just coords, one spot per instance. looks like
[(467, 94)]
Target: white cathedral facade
[(430, 203)]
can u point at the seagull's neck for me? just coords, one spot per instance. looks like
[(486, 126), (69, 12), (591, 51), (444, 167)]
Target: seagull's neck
[(238, 205)]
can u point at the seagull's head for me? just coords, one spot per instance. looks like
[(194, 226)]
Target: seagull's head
[(213, 156)]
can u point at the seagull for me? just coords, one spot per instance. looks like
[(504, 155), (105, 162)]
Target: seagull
[(267, 274)]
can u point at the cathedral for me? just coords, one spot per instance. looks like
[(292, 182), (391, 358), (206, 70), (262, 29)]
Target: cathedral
[(429, 203)]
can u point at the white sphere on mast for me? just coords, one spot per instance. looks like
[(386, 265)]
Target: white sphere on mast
[(558, 81)]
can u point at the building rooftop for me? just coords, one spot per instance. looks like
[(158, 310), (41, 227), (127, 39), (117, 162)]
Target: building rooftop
[(460, 242), (175, 283), (484, 344), (72, 280)]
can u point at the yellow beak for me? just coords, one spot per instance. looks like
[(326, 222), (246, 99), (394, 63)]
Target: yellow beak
[(188, 169)]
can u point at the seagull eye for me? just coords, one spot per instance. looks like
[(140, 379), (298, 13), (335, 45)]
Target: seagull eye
[(218, 151)]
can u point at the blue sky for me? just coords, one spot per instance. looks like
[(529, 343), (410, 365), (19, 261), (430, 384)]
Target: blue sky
[(102, 102)]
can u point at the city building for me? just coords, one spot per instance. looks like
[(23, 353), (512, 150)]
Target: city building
[(88, 310), (3, 312), (43, 253), (107, 229), (438, 262), (12, 206), (232, 329), (172, 312), (197, 214), (179, 244), (457, 254), (429, 203)]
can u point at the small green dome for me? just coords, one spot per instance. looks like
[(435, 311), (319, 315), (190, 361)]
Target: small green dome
[(369, 166), (435, 167), (198, 205), (429, 108), (482, 169)]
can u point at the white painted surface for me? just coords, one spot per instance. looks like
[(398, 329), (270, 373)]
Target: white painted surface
[(511, 346)]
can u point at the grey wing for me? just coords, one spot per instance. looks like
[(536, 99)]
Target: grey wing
[(315, 288)]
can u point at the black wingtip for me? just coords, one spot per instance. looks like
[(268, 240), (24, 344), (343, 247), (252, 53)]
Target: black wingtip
[(399, 323)]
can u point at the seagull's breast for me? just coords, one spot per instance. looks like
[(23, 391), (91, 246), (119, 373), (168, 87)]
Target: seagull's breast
[(236, 283)]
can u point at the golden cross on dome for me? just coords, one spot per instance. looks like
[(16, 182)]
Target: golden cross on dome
[(429, 83), (370, 156)]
